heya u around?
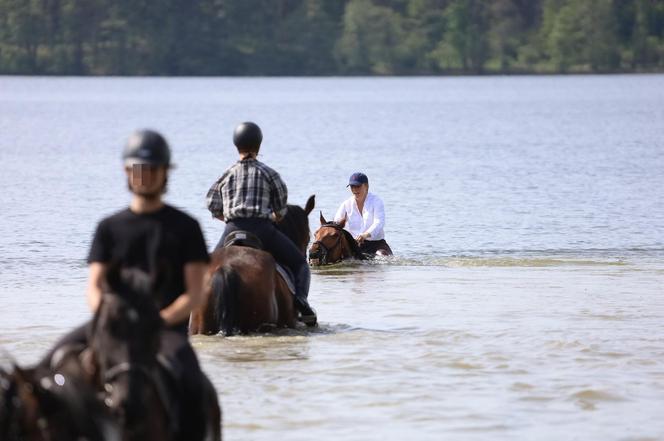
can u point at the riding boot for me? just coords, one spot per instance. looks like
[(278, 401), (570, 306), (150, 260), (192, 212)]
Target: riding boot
[(302, 281)]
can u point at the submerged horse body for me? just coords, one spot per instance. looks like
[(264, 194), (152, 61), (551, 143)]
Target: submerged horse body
[(246, 292)]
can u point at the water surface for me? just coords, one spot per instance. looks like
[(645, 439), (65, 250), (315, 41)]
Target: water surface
[(525, 300)]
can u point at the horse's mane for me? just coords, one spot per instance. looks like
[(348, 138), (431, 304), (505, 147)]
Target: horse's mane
[(352, 243), (294, 224)]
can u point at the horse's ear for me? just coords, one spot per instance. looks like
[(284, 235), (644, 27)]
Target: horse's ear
[(322, 219), (342, 222), (308, 208)]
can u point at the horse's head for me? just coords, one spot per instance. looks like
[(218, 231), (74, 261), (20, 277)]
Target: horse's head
[(125, 341), (50, 407), (295, 224), (332, 244)]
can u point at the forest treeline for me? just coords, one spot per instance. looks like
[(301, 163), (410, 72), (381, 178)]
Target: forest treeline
[(329, 37)]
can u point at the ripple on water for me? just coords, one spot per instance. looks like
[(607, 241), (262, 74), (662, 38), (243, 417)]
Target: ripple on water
[(590, 399)]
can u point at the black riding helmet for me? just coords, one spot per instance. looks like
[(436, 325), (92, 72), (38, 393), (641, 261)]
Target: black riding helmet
[(248, 137), (146, 147)]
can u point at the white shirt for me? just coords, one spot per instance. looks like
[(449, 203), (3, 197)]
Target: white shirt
[(371, 220)]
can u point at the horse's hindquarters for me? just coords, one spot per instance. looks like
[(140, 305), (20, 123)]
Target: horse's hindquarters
[(242, 297)]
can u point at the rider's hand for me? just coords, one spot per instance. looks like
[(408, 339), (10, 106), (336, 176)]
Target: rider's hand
[(362, 237)]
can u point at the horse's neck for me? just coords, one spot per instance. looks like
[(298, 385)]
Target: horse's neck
[(347, 249), (289, 227)]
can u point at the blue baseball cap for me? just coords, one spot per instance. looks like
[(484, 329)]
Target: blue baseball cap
[(357, 179)]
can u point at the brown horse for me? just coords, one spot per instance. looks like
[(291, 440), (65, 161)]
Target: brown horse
[(246, 292), (44, 406), (332, 244), (123, 363)]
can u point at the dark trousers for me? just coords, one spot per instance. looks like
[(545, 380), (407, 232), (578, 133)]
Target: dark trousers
[(373, 246), (176, 349), (276, 243)]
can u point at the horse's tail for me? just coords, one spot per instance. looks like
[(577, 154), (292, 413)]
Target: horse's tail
[(225, 287)]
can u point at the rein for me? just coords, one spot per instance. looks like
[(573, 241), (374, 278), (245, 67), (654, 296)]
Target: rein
[(126, 368), (153, 376)]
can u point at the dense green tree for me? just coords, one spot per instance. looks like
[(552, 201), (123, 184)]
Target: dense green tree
[(466, 45), (324, 37), (506, 32), (583, 36), (372, 39), (22, 33)]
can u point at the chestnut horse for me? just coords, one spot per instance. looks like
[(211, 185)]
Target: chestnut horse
[(332, 244), (123, 363), (246, 292), (45, 406)]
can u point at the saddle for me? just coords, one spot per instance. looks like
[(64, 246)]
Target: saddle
[(246, 239), (243, 239)]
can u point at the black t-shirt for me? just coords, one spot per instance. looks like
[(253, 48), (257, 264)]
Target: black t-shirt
[(167, 238)]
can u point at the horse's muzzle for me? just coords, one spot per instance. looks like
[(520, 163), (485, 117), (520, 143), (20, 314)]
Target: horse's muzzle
[(317, 254)]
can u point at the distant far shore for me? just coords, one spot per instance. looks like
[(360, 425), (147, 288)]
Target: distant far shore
[(377, 76), (280, 38)]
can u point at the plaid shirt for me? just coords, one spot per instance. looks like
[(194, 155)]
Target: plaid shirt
[(248, 189)]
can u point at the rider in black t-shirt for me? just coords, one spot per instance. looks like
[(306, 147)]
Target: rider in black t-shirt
[(153, 236), (133, 237)]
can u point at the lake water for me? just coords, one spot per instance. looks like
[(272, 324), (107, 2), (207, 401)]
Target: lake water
[(525, 300)]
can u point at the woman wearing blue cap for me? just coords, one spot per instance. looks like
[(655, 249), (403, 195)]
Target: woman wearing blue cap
[(364, 215)]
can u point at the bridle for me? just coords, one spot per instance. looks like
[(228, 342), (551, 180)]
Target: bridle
[(323, 250), (110, 376)]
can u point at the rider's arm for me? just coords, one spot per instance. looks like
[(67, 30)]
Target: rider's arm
[(178, 311), (96, 279), (215, 201), (378, 218), (278, 195)]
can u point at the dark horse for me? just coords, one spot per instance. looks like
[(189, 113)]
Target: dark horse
[(124, 364), (246, 292), (332, 244), (46, 406)]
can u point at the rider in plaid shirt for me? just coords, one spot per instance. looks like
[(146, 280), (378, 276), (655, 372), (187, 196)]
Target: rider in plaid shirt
[(248, 197), (248, 189)]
